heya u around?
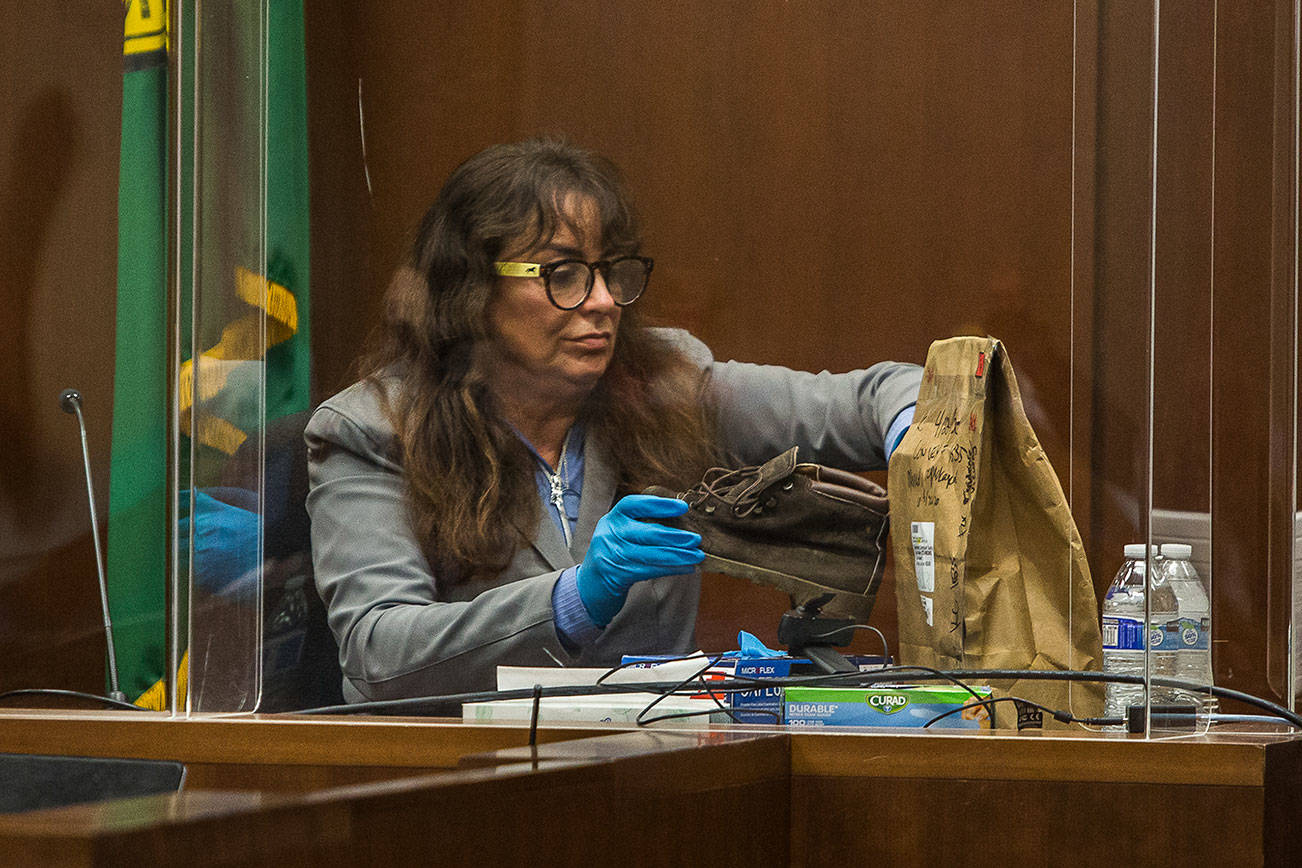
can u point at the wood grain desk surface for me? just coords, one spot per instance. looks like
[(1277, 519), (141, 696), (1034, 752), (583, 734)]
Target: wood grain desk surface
[(1231, 758), (274, 788)]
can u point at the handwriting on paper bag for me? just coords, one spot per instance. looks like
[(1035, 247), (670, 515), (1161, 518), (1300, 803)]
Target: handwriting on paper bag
[(945, 420), (948, 462), (954, 620), (944, 472)]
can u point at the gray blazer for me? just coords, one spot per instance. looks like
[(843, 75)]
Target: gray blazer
[(403, 633)]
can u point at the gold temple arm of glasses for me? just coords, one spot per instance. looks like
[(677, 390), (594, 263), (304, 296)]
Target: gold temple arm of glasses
[(517, 269)]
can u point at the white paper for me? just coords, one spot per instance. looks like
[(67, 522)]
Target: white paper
[(607, 708), (924, 556), (525, 677)]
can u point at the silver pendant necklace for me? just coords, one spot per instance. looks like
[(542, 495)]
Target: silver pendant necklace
[(556, 481)]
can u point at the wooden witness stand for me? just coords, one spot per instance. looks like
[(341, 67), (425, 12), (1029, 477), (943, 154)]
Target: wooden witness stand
[(289, 790)]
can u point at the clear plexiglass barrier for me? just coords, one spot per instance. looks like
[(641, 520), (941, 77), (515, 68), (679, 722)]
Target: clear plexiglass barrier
[(244, 569), (1109, 189), (221, 391)]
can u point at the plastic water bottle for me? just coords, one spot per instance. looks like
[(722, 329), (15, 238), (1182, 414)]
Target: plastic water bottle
[(1193, 659), (1125, 632)]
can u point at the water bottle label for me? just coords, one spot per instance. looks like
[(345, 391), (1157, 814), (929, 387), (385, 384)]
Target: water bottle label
[(1123, 634), (1195, 634), (1164, 635), (1128, 634)]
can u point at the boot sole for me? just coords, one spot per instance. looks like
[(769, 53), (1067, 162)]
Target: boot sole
[(802, 590)]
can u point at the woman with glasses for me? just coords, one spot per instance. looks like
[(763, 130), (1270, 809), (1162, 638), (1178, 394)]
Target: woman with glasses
[(473, 498)]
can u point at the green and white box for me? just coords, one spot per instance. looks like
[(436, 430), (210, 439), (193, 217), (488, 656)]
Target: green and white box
[(897, 706)]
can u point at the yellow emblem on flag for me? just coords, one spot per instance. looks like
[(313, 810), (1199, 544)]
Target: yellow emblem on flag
[(272, 319), (146, 26), (155, 698)]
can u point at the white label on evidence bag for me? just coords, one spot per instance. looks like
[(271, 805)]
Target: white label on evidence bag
[(924, 555), (926, 610)]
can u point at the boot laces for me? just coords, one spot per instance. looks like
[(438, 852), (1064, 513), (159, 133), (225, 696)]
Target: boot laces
[(736, 488)]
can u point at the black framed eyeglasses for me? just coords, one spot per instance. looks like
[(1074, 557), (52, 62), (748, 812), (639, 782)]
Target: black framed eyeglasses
[(569, 281)]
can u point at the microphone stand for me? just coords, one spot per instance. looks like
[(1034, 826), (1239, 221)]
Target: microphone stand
[(70, 401)]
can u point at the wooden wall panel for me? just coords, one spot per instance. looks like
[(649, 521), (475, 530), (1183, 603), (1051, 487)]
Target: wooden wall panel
[(1118, 356), (59, 126), (1220, 272), (824, 185), (1182, 358), (1247, 636), (1021, 822)]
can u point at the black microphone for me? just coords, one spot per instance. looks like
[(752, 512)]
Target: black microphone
[(70, 402)]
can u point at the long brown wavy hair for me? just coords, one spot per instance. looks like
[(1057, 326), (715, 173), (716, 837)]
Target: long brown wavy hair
[(471, 484)]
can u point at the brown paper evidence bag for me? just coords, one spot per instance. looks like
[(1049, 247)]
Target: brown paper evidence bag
[(990, 572)]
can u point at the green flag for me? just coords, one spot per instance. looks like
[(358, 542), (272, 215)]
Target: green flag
[(137, 566), (288, 362), (259, 304)]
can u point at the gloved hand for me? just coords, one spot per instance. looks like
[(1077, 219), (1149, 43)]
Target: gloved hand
[(625, 550), (225, 539)]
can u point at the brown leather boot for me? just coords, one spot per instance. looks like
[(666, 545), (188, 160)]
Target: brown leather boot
[(806, 529)]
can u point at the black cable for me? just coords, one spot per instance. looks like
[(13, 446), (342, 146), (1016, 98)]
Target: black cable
[(728, 710), (410, 703), (988, 704), (885, 675), (737, 684), (886, 648), (51, 691), (710, 662), (1060, 716), (643, 663), (714, 697), (907, 671), (903, 673), (698, 676), (663, 694), (1160, 681), (694, 676), (731, 685), (891, 674), (407, 704), (939, 673)]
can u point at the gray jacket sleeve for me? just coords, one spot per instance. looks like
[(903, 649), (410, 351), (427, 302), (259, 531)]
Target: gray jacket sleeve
[(399, 633), (403, 632), (836, 419)]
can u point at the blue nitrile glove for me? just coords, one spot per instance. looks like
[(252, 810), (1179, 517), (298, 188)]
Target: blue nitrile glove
[(225, 540), (749, 645), (625, 550)]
